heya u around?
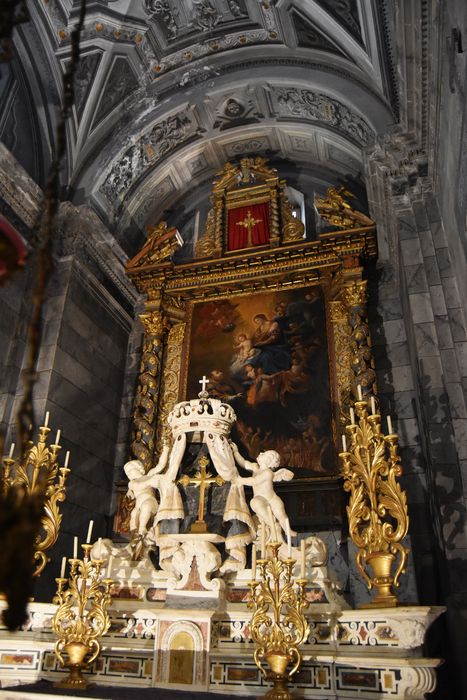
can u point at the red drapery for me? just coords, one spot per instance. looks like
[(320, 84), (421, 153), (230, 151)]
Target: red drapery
[(248, 226), (12, 250)]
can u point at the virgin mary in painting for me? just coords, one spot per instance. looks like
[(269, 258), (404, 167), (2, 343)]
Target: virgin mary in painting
[(269, 361)]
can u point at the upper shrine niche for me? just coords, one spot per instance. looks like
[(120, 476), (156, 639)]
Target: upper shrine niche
[(179, 19), (250, 210)]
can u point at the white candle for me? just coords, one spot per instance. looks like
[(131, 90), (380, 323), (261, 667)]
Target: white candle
[(109, 566), (12, 449), (273, 525), (359, 392), (352, 416), (253, 561), (75, 548), (88, 538), (57, 438), (263, 540), (390, 426), (46, 419), (67, 458), (62, 571), (289, 539), (344, 444), (303, 560), (373, 406)]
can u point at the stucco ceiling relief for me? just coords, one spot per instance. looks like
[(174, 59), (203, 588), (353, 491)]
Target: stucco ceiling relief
[(312, 106), (160, 141)]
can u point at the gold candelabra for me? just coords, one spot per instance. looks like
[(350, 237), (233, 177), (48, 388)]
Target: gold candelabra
[(278, 625), (81, 616), (38, 472), (377, 510)]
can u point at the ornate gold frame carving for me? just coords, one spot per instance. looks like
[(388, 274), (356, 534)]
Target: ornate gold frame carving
[(250, 182), (332, 261)]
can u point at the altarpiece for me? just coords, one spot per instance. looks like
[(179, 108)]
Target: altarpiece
[(277, 322)]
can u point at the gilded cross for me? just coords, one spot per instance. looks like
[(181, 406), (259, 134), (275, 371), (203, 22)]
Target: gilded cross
[(203, 480), (249, 222)]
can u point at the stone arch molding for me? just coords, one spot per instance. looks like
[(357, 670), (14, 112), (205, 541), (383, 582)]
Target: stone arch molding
[(311, 148), (165, 64), (131, 158)]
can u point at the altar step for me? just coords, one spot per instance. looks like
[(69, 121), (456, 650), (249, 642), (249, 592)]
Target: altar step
[(44, 690)]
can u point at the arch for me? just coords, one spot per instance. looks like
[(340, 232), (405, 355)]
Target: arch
[(181, 632)]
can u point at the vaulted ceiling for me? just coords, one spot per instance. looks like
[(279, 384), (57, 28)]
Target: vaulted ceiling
[(168, 90)]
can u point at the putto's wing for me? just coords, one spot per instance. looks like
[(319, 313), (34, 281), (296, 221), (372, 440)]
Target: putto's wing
[(283, 475)]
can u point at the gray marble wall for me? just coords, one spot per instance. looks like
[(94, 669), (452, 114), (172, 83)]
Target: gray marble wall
[(82, 370), (448, 130), (420, 346)]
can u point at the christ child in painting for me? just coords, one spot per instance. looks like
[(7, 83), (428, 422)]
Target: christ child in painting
[(243, 346)]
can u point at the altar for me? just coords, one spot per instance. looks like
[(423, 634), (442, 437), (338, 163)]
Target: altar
[(214, 581), (187, 624)]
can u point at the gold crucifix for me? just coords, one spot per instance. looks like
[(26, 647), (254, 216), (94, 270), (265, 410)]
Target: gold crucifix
[(204, 481), (249, 222)]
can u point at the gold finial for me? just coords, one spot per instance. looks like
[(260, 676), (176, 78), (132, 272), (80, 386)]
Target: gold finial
[(81, 616), (278, 625)]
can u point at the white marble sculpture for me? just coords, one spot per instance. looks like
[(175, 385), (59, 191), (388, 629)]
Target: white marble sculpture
[(211, 420), (267, 505)]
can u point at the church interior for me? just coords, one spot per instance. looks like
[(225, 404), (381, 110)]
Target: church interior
[(233, 348)]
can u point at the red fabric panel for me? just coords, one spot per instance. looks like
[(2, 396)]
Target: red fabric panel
[(238, 233)]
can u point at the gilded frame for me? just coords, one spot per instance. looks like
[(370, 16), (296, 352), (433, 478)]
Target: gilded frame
[(334, 261), (331, 361)]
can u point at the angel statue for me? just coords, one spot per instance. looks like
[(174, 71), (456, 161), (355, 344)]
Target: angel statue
[(267, 505), (140, 488), (334, 209)]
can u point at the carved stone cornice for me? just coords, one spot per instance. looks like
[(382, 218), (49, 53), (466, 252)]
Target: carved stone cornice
[(82, 234), (18, 190)]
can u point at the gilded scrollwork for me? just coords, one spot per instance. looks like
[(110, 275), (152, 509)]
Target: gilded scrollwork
[(343, 354), (170, 382), (362, 362), (377, 509), (244, 173), (292, 228), (147, 392), (207, 246)]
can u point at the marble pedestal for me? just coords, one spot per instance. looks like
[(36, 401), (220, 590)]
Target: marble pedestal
[(349, 653)]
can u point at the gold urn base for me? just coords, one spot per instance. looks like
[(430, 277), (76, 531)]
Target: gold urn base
[(381, 563), (278, 663), (76, 652)]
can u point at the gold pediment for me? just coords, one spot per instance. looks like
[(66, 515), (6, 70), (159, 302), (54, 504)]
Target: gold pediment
[(161, 244)]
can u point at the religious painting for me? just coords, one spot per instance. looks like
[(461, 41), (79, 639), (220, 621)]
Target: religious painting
[(266, 354)]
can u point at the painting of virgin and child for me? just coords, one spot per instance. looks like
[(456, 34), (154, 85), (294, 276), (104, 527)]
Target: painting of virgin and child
[(266, 355)]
